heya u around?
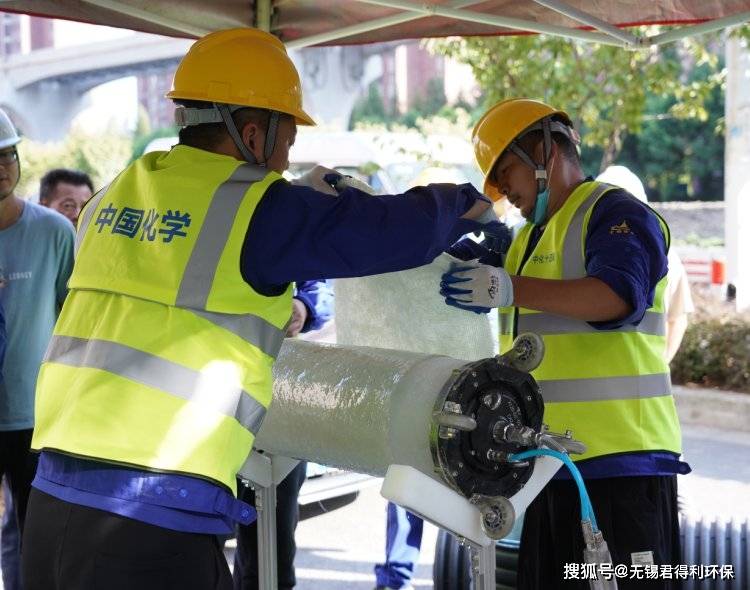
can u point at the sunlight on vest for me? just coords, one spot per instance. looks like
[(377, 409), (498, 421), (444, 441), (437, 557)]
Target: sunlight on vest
[(218, 390)]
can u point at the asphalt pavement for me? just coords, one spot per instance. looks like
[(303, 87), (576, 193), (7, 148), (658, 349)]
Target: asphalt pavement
[(337, 549)]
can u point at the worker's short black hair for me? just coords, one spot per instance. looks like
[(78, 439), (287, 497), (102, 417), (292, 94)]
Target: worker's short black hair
[(568, 149), (209, 135), (54, 177)]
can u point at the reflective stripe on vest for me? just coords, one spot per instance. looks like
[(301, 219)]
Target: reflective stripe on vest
[(88, 214), (158, 373), (199, 273), (610, 387), (605, 388), (162, 355), (547, 324), (574, 260), (251, 328), (198, 276)]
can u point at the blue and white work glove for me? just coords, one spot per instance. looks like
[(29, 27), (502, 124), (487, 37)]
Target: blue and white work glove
[(477, 287), (315, 179), (343, 181)]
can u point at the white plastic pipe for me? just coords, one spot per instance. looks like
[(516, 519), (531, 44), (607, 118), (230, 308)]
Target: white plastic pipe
[(356, 408)]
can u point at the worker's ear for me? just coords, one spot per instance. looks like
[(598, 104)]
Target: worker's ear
[(539, 151), (254, 138)]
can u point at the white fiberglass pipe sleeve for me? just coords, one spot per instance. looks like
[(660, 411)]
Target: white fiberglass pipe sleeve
[(356, 408)]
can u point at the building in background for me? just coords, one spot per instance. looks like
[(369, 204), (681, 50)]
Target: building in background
[(152, 87), (10, 34), (101, 78)]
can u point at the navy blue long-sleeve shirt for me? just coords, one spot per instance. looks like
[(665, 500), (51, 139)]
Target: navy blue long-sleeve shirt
[(318, 299), (311, 235), (2, 340), (630, 259), (295, 234)]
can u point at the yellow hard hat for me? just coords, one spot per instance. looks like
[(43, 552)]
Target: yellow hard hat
[(499, 126), (246, 67)]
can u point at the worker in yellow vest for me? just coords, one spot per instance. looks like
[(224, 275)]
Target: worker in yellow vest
[(158, 374), (587, 273)]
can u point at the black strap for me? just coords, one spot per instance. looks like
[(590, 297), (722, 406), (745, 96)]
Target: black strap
[(273, 127), (226, 116)]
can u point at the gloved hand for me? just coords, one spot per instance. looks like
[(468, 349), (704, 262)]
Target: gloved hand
[(477, 287), (491, 250), (488, 216), (467, 249), (299, 316), (497, 237), (315, 180), (344, 181)]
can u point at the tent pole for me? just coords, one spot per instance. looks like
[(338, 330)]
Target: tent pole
[(587, 19), (263, 10), (147, 16), (707, 27), (498, 21), (366, 27)]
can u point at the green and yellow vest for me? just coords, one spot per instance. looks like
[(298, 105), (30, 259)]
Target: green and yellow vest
[(610, 387), (162, 354)]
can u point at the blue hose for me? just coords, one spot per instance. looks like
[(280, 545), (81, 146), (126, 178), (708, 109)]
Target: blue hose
[(587, 510)]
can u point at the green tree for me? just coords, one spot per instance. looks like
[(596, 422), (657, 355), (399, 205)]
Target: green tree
[(679, 159), (433, 100), (369, 108), (142, 122), (604, 88), (101, 156), (140, 142)]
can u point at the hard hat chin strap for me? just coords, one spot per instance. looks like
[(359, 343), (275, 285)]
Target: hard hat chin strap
[(222, 112), (271, 133), (540, 170), (273, 128), (234, 133), (547, 126)]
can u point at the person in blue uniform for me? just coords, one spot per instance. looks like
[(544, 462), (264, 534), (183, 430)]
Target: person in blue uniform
[(132, 514), (312, 308), (587, 273)]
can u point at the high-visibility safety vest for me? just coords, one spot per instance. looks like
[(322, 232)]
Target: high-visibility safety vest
[(162, 355), (610, 387)]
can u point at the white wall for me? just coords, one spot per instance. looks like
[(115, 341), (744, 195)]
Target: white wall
[(737, 165)]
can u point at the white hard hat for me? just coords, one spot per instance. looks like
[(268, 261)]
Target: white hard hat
[(621, 176), (8, 134)]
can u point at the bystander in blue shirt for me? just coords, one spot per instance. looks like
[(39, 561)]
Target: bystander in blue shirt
[(2, 340)]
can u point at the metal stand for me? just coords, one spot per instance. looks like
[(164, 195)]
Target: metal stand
[(264, 472), (482, 567), (265, 504)]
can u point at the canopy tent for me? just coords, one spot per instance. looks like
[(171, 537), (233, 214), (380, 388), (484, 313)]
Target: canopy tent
[(301, 23)]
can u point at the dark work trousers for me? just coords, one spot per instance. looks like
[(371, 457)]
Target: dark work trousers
[(287, 516), (635, 514), (73, 547), (18, 465)]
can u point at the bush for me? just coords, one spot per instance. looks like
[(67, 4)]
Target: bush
[(101, 156), (140, 143), (715, 352)]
